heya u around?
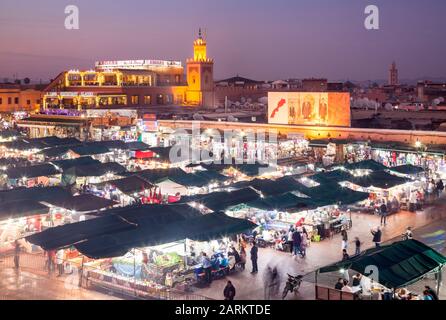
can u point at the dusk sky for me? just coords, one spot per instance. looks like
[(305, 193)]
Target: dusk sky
[(259, 39)]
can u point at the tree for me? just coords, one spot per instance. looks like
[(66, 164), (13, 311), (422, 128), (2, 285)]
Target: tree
[(18, 81), (26, 80)]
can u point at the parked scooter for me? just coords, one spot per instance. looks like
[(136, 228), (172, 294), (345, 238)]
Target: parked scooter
[(292, 285)]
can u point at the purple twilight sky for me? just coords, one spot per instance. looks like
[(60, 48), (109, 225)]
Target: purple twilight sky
[(261, 39)]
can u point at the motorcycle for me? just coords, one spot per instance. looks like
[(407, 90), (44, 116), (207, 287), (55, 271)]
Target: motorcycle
[(292, 285)]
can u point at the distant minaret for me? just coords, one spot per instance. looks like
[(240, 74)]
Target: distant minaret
[(393, 75)]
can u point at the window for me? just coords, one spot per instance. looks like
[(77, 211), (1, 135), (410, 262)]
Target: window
[(16, 100), (28, 102), (147, 99), (135, 99), (1, 100), (9, 100), (37, 101)]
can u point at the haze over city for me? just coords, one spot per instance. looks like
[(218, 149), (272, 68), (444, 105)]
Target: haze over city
[(261, 40)]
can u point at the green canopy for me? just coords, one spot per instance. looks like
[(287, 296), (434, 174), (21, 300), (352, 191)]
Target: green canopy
[(400, 264), (282, 202), (407, 169), (366, 165)]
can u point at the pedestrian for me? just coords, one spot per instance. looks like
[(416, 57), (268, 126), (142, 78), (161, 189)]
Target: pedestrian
[(229, 291), (357, 246), (59, 262), (383, 211), (50, 260), (253, 252), (344, 238), (17, 250), (290, 239), (431, 292), (303, 245), (297, 240), (376, 237), (439, 187), (340, 284), (242, 258), (426, 296), (275, 282), (345, 255), (207, 267), (413, 201)]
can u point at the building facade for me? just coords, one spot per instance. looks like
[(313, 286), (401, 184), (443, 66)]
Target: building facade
[(135, 83), (17, 97)]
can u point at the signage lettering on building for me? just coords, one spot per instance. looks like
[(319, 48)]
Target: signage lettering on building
[(135, 64)]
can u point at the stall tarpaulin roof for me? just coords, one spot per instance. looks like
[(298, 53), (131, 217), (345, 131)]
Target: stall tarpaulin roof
[(23, 145), (137, 146), (35, 193), (81, 203), (275, 187), (366, 164), (162, 153), (399, 264), (210, 175), (54, 141), (40, 170), (54, 151), (379, 179), (89, 149), (129, 184), (329, 193), (222, 200), (284, 201), (112, 221), (202, 228), (20, 209), (332, 176), (68, 163), (407, 169), (148, 230), (95, 169), (176, 175), (110, 144), (6, 134)]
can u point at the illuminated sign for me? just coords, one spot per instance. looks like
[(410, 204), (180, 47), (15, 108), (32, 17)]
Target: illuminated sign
[(68, 94), (135, 64), (309, 108)]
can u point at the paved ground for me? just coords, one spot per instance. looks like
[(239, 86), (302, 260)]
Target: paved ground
[(328, 251), (430, 228)]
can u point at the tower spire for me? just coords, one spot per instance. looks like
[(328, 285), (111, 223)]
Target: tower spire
[(199, 33)]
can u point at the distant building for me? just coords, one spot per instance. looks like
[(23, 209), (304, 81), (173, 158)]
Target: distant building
[(393, 75), (19, 97), (241, 82), (135, 83), (315, 85), (428, 90)]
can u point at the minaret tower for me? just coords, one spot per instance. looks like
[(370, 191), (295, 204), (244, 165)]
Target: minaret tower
[(200, 76), (393, 75)]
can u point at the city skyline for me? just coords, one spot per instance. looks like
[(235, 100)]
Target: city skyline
[(310, 39)]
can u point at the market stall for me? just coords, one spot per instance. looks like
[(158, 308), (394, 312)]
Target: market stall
[(416, 263), (163, 260)]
